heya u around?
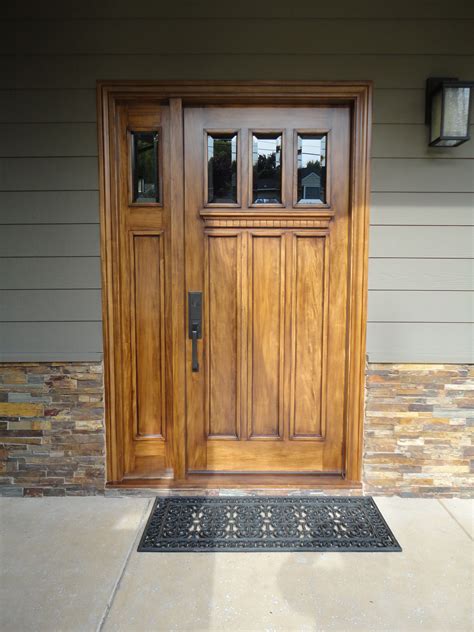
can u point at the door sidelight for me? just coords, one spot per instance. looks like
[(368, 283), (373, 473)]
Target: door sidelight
[(195, 324)]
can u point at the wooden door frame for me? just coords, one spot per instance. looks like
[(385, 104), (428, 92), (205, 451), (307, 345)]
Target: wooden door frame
[(358, 95)]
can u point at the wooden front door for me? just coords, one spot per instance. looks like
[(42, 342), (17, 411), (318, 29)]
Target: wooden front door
[(234, 251), (267, 244)]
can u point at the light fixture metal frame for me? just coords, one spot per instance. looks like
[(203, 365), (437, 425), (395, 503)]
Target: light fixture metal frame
[(434, 85)]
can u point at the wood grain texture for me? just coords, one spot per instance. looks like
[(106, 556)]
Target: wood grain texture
[(266, 303), (148, 334), (222, 332), (249, 275), (291, 301), (310, 332)]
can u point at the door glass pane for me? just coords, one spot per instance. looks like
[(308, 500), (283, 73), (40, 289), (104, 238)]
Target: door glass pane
[(311, 168), (222, 168), (266, 158), (145, 167)]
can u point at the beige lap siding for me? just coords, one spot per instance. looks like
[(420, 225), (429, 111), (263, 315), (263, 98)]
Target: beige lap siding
[(422, 197)]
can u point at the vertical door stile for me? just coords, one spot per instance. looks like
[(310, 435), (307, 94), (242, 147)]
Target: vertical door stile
[(178, 319), (249, 341), (243, 329), (325, 335), (288, 364), (281, 366)]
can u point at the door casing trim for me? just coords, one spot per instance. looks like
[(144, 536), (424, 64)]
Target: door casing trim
[(356, 94)]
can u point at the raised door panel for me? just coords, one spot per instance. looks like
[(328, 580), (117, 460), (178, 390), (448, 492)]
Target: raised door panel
[(309, 336), (148, 336), (222, 333), (266, 344)]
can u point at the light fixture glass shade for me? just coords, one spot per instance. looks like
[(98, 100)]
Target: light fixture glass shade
[(449, 112), (456, 111)]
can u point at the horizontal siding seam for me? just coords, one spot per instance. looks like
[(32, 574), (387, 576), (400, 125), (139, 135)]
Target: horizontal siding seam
[(247, 53)]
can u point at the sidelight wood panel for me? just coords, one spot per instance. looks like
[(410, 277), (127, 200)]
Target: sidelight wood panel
[(222, 332), (309, 334), (266, 322), (148, 339)]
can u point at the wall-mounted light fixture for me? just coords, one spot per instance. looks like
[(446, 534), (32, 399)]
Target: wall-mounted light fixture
[(447, 111)]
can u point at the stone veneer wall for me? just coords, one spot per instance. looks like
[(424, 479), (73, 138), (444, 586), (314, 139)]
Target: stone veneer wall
[(51, 429), (418, 430)]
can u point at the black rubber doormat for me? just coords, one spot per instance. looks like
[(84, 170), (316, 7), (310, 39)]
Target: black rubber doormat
[(256, 523)]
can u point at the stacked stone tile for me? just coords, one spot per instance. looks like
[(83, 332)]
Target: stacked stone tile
[(51, 429), (419, 428)]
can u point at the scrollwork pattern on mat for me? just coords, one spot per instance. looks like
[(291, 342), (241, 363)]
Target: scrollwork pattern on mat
[(267, 523)]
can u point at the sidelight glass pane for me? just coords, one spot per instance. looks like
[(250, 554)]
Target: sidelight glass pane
[(222, 168), (266, 159), (311, 168), (145, 167)]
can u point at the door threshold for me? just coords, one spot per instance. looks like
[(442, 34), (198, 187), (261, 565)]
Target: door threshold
[(200, 482)]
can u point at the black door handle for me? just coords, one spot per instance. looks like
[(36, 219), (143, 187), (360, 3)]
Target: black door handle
[(194, 361), (194, 325)]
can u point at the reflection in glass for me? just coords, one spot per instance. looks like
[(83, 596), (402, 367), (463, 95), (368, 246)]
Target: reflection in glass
[(145, 167), (266, 159), (222, 168), (311, 168)]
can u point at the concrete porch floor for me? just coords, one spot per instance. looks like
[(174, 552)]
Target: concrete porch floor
[(70, 564)]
